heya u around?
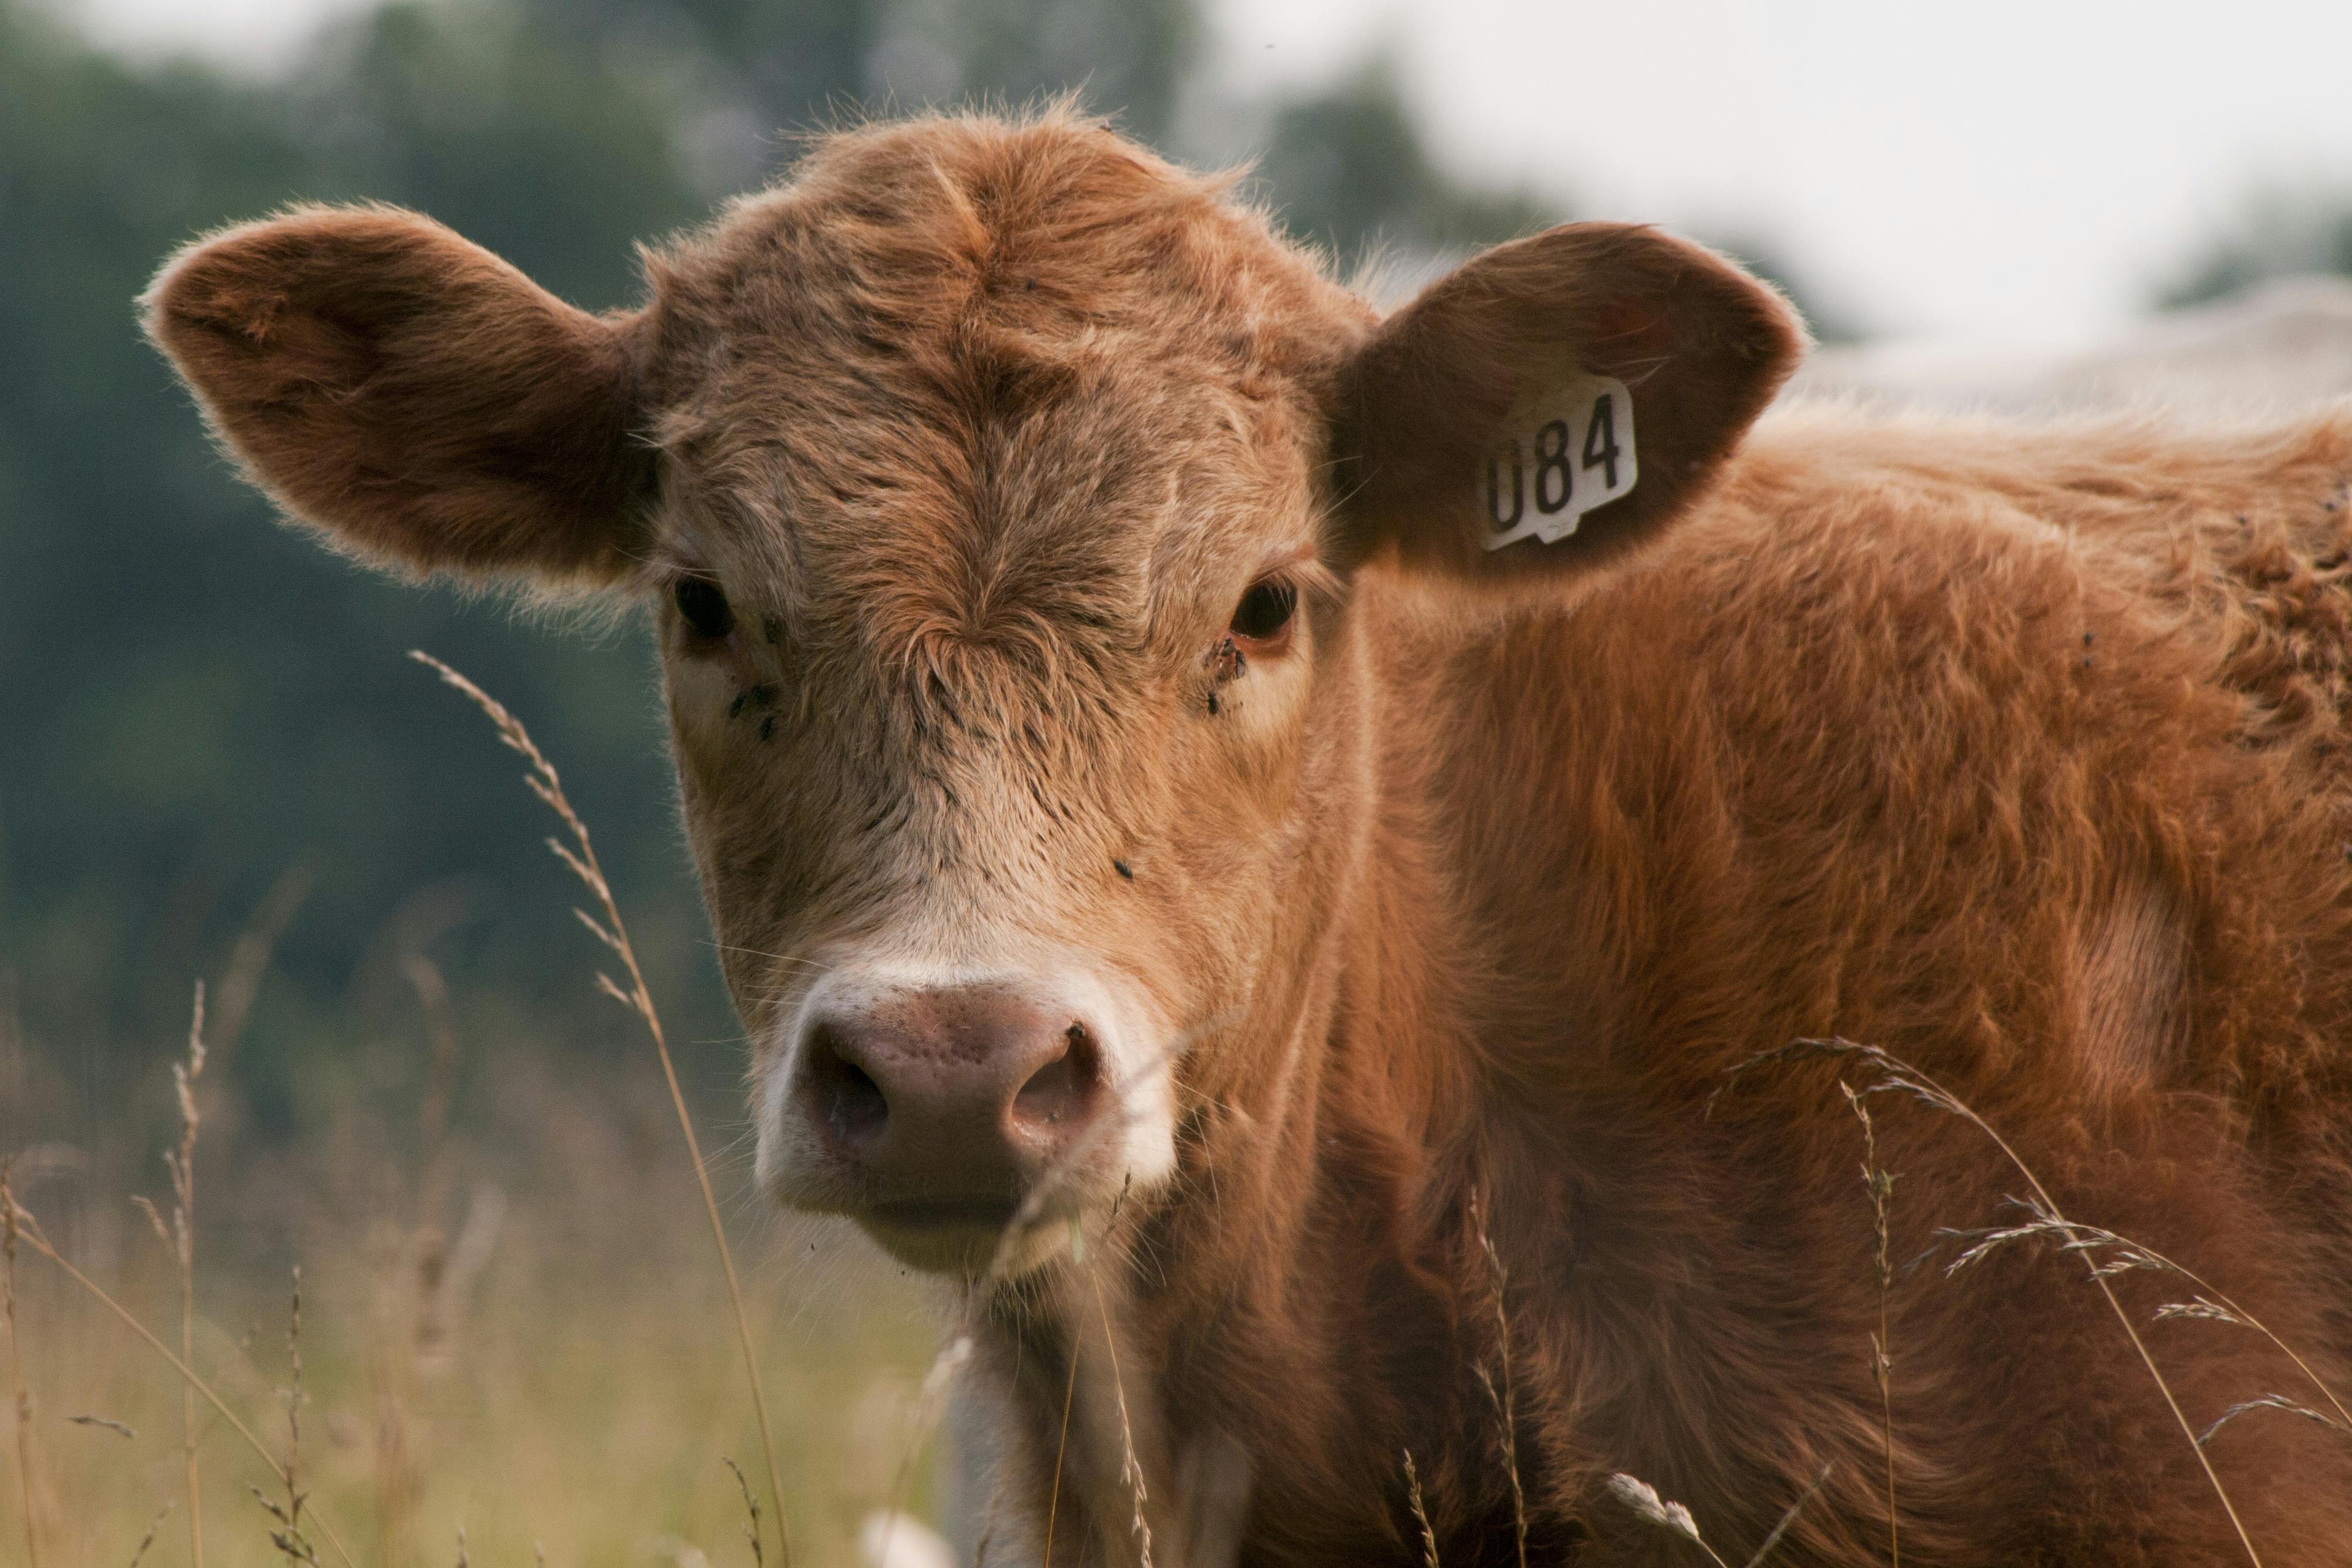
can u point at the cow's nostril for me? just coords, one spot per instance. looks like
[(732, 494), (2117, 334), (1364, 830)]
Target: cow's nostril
[(852, 1104), (1060, 1094), (858, 1102)]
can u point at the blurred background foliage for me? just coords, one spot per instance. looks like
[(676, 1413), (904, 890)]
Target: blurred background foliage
[(2278, 229), (197, 704)]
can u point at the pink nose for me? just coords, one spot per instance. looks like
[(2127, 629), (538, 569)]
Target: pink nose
[(949, 1103)]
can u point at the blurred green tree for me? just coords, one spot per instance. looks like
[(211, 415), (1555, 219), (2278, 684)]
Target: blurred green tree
[(2279, 230), (1349, 170), (195, 699)]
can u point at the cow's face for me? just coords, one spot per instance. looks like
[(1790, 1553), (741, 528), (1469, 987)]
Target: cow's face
[(997, 491), (991, 608)]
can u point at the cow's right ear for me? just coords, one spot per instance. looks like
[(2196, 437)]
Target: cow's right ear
[(412, 395), (1552, 402)]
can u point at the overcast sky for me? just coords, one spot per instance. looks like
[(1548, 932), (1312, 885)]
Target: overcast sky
[(2011, 169)]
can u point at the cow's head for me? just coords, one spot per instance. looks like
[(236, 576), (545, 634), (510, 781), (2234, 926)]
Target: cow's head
[(997, 491)]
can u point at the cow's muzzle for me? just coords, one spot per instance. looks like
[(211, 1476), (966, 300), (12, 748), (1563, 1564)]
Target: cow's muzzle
[(945, 1109)]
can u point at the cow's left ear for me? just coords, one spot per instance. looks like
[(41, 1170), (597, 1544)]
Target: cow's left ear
[(412, 397), (1553, 403)]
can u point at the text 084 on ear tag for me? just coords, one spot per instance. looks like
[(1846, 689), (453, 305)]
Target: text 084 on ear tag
[(1566, 449)]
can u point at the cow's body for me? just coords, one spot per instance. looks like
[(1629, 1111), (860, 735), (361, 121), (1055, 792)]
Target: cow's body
[(1321, 961), (2015, 753)]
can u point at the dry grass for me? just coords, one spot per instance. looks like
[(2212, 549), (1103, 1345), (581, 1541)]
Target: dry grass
[(27, 1494), (580, 855), (545, 1383), (1498, 1382), (2104, 1253), (500, 1347), (1880, 1183), (1062, 1449), (182, 1239), (29, 1229), (288, 1537), (1420, 1512), (1130, 1469), (571, 1392), (1640, 1499)]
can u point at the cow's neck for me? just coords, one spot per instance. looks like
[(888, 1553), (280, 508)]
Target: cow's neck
[(1324, 1208), (1357, 1094), (1324, 1200)]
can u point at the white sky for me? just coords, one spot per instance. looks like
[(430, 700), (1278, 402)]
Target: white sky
[(2009, 169)]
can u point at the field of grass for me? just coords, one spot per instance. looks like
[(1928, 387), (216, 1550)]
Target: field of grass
[(527, 1337)]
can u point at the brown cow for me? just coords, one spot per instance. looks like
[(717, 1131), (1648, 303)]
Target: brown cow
[(1184, 883)]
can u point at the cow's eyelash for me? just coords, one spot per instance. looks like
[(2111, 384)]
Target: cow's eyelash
[(1305, 576)]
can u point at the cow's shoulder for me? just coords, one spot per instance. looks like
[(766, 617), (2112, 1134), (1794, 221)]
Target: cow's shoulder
[(1915, 722)]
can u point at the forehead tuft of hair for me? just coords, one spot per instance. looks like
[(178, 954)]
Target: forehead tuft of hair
[(974, 357), (1025, 241)]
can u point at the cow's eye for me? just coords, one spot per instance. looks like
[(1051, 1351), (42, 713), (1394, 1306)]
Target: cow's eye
[(1264, 614), (703, 606)]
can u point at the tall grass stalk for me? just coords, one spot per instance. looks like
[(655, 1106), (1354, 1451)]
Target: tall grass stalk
[(751, 1510), (1899, 1076), (1130, 1470), (2122, 1255), (580, 856), (1642, 1499), (1498, 1388), (290, 1539), (248, 961), (24, 1396), (1880, 1183), (930, 1406), (2108, 1254), (1789, 1517), (153, 1525), (411, 1283), (1420, 1512), (440, 1086), (182, 1242), (1061, 1448), (2273, 1402)]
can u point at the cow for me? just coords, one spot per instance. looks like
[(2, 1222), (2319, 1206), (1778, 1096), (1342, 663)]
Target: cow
[(1282, 850)]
